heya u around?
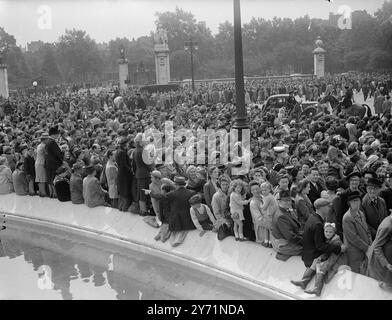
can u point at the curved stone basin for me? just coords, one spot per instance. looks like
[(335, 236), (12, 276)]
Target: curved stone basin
[(245, 265)]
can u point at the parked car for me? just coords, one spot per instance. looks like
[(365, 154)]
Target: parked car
[(275, 102)]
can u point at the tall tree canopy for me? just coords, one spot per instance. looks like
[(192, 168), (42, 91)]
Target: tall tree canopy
[(275, 46)]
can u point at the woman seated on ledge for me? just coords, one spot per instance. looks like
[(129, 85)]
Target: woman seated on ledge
[(6, 185), (93, 193), (19, 179)]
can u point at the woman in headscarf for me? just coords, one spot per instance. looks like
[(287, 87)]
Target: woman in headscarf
[(6, 185)]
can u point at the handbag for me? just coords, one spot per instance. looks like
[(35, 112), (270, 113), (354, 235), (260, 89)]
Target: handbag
[(224, 231)]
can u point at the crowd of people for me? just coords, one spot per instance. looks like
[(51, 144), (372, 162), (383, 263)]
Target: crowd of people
[(320, 187)]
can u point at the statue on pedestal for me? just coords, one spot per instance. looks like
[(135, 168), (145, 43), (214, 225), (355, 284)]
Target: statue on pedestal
[(160, 37), (319, 43)]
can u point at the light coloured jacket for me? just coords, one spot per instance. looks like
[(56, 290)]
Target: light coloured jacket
[(6, 185), (111, 172)]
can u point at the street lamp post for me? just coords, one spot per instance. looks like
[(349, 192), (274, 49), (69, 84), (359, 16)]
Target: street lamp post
[(241, 121), (35, 83), (191, 45)]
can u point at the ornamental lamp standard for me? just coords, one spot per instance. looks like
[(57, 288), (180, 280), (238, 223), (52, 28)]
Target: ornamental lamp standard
[(190, 46), (35, 84), (241, 121)]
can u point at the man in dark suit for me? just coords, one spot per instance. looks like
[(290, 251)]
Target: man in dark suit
[(180, 221), (315, 185), (314, 244), (357, 236), (286, 234), (53, 159)]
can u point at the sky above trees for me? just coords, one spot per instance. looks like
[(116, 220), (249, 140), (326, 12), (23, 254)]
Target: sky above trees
[(105, 20)]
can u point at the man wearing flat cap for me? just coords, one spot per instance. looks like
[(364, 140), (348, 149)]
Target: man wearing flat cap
[(373, 205), (315, 244), (357, 236)]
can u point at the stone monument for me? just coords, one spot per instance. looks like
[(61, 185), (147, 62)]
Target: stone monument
[(161, 51), (319, 59), (3, 75), (123, 74)]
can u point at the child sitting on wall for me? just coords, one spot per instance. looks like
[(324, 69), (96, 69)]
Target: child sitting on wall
[(323, 263), (201, 215)]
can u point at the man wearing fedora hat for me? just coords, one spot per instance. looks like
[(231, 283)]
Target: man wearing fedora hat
[(373, 205), (53, 158), (180, 220), (357, 236), (286, 234), (340, 204)]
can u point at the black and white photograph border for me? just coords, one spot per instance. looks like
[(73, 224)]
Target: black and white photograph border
[(222, 150)]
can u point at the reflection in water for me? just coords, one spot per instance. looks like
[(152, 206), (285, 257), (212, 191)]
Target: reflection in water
[(58, 261), (75, 269)]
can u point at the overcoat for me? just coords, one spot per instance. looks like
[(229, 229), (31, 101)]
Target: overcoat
[(357, 239), (377, 260), (54, 156), (375, 213), (285, 226), (125, 176)]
